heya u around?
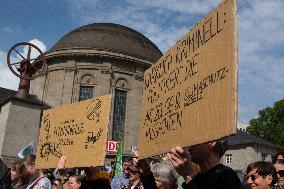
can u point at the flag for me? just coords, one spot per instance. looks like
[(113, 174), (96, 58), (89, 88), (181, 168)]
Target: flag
[(28, 150), (118, 160)]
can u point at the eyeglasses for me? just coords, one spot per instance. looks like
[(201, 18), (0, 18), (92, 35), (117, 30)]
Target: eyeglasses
[(280, 173), (252, 177), (54, 184)]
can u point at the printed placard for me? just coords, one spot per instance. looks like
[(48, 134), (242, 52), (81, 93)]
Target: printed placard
[(77, 131), (112, 146), (190, 94)]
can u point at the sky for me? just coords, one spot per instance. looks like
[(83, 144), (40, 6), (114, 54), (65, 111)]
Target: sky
[(260, 35)]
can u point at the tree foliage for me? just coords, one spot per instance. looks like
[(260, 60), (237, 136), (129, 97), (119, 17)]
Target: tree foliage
[(269, 124)]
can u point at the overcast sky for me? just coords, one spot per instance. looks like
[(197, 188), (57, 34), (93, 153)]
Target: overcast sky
[(260, 35)]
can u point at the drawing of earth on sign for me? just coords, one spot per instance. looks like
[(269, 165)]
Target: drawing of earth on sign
[(94, 110)]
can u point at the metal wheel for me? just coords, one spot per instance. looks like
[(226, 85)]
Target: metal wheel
[(20, 60)]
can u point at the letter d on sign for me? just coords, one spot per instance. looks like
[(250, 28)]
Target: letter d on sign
[(112, 146)]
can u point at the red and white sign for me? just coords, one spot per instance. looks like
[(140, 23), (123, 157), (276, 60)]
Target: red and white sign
[(112, 146)]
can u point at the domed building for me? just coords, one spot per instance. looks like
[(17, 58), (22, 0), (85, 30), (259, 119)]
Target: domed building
[(96, 60)]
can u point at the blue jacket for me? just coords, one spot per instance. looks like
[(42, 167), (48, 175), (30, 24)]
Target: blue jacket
[(118, 179)]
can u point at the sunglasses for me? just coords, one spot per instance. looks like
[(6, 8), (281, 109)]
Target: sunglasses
[(54, 184), (252, 177), (281, 173)]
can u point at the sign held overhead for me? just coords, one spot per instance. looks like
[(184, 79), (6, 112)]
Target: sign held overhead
[(75, 131), (190, 94)]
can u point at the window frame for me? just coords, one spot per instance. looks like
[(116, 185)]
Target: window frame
[(119, 130), (228, 158), (85, 87)]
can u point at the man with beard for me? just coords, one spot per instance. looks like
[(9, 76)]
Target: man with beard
[(212, 173)]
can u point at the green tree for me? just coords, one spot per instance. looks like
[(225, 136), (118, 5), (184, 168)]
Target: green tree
[(269, 124)]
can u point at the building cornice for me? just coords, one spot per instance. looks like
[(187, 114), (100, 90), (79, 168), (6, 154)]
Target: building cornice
[(96, 53)]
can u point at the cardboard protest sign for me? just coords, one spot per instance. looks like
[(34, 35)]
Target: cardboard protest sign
[(190, 94), (77, 131)]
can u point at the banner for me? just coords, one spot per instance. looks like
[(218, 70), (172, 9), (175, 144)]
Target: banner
[(118, 160)]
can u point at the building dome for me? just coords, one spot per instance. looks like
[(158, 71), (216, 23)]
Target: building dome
[(109, 37)]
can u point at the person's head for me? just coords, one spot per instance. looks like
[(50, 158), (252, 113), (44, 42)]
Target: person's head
[(29, 162), (261, 175), (16, 170), (279, 155), (279, 166), (91, 170), (56, 184), (134, 173), (75, 181), (126, 164), (165, 175), (96, 177), (206, 150)]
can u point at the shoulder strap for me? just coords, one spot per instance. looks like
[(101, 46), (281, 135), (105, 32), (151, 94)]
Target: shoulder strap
[(35, 182)]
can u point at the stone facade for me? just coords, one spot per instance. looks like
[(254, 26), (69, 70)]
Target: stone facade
[(19, 126), (66, 74)]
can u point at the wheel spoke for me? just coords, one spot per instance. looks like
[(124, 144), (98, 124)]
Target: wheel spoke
[(19, 54), (16, 63), (36, 59)]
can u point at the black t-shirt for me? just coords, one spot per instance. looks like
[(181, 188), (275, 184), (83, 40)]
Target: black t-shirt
[(95, 184), (219, 177)]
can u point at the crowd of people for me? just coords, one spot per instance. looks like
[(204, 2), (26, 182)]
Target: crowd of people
[(198, 166)]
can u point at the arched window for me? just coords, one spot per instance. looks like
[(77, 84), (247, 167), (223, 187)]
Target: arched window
[(121, 87), (86, 87)]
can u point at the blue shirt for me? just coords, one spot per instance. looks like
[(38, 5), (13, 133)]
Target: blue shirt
[(118, 179), (43, 182)]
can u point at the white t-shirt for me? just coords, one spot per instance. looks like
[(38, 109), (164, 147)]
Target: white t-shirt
[(43, 182)]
